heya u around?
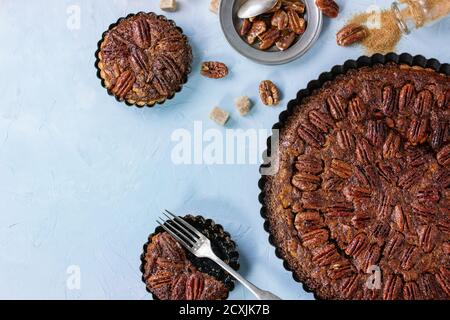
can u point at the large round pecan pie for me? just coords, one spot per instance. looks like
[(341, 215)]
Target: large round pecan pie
[(170, 272), (144, 59), (359, 208)]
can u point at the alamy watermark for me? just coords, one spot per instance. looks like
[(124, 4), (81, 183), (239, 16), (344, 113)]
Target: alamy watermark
[(225, 147), (73, 281)]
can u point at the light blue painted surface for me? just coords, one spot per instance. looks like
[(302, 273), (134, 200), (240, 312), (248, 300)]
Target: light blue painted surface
[(82, 177)]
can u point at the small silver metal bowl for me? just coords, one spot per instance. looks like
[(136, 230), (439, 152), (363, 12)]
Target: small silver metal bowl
[(230, 24)]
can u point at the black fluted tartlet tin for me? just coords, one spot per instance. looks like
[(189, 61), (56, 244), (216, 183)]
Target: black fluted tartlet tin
[(363, 61), (97, 60), (222, 244)]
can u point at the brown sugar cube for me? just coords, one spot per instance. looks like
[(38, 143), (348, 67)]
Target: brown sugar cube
[(214, 6), (219, 116), (243, 105), (168, 5)]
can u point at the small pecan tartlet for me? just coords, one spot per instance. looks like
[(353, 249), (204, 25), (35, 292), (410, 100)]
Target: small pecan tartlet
[(144, 59), (170, 272)]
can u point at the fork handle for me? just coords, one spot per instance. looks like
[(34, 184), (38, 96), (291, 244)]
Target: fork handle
[(259, 293)]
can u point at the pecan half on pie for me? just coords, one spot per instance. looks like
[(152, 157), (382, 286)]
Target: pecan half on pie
[(359, 208), (144, 59), (172, 273)]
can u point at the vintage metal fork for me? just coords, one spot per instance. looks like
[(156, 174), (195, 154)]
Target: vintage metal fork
[(195, 242)]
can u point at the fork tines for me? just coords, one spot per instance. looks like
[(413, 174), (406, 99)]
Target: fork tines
[(182, 231)]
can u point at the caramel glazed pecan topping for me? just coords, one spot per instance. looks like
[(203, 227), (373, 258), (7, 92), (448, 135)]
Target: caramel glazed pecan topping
[(369, 178), (144, 59), (169, 275)]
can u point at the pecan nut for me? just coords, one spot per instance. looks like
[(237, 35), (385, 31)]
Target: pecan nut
[(280, 20), (356, 109), (345, 140), (391, 145), (268, 38), (393, 287), (306, 181), (364, 152), (423, 103), (405, 97), (214, 69), (321, 120), (258, 27), (443, 156), (336, 106), (328, 7), (428, 235), (324, 256), (341, 168), (297, 6), (411, 291), (357, 245), (310, 135), (314, 238), (286, 39), (350, 34), (340, 269), (439, 133), (141, 33), (376, 132), (296, 24), (417, 131), (308, 220), (194, 286), (269, 93), (390, 103), (124, 84), (245, 27), (309, 164)]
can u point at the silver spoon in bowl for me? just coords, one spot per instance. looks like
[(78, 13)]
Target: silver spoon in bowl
[(253, 8)]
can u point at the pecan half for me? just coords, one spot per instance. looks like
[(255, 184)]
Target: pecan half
[(245, 27), (411, 291), (371, 256), (296, 24), (297, 6), (269, 93), (340, 210), (280, 20), (179, 288), (350, 34), (406, 95), (391, 145), (336, 106), (443, 156), (325, 255), (286, 39), (345, 140), (393, 245), (194, 286), (310, 164), (393, 287), (357, 245), (321, 120), (424, 212), (438, 134), (417, 131), (443, 279), (314, 238), (410, 178), (349, 286), (340, 269), (428, 195), (390, 103), (328, 7), (124, 84), (310, 135), (159, 279), (423, 103), (364, 151), (306, 181), (376, 132), (308, 220), (409, 257), (428, 235), (258, 28), (356, 109), (214, 69), (139, 61), (141, 33), (268, 38), (341, 168)]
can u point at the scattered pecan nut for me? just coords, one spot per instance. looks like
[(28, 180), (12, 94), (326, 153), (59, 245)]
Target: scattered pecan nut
[(328, 7), (350, 34), (269, 93), (214, 69)]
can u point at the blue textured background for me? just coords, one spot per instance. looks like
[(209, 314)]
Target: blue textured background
[(83, 177)]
